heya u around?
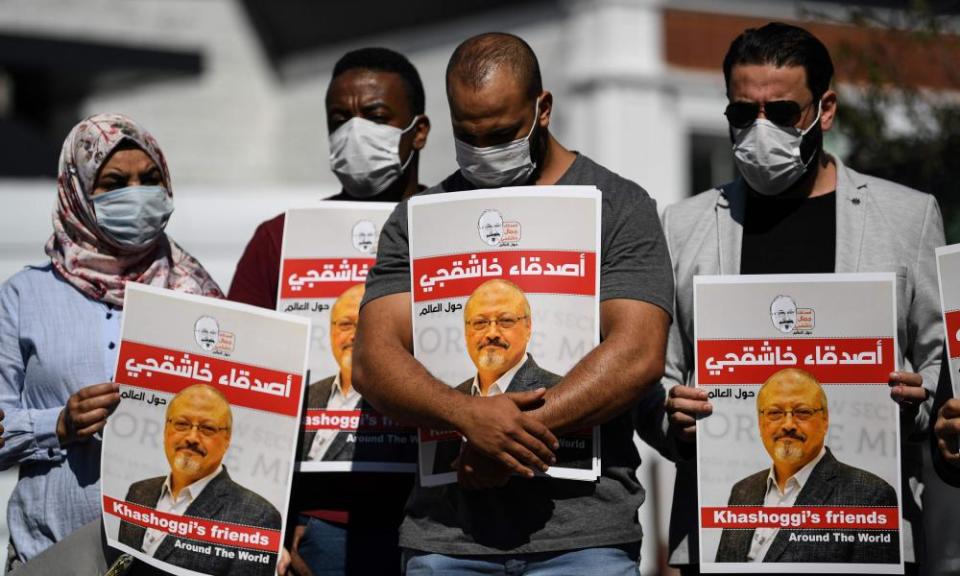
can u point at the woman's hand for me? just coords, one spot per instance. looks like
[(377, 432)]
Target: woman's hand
[(86, 412)]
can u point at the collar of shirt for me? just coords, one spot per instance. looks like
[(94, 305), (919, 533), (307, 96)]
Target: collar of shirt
[(799, 479), (501, 384), (192, 490), (337, 401)]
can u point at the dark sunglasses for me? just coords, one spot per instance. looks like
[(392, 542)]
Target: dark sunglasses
[(784, 113)]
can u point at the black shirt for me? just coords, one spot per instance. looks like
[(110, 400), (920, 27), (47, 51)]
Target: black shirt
[(789, 235)]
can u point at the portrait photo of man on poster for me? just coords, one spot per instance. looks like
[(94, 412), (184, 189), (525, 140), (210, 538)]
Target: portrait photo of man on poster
[(498, 325), (794, 419), (195, 438)]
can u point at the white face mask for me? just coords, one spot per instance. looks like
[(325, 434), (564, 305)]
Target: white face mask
[(768, 156), (365, 156), (499, 165), (133, 216)]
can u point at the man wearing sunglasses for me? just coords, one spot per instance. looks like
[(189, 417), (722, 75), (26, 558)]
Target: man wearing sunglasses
[(797, 209)]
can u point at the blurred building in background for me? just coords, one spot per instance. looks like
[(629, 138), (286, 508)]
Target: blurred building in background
[(233, 90)]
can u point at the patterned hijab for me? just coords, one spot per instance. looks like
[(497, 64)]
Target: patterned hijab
[(83, 254)]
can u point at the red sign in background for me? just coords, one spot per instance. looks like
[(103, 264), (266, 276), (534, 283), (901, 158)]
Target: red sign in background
[(953, 333), (830, 360), (225, 375), (534, 271)]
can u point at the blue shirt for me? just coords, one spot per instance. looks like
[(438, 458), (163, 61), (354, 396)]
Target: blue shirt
[(54, 341)]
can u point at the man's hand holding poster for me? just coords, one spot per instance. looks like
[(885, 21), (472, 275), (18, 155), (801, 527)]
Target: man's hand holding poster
[(327, 252), (198, 457), (799, 463), (505, 299)]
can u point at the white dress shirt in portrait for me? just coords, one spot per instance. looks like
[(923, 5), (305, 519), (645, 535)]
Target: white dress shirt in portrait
[(152, 538), (501, 384), (763, 537), (336, 401)]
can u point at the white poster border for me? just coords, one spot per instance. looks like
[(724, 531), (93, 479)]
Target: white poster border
[(324, 205), (545, 192), (311, 466), (713, 567), (235, 306)]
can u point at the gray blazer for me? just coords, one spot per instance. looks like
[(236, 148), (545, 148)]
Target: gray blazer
[(223, 500), (831, 483), (881, 227)]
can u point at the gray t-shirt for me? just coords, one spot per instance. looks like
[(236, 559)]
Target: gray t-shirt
[(546, 514)]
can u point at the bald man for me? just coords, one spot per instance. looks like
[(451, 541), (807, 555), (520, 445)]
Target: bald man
[(336, 392), (196, 436), (499, 514), (794, 419)]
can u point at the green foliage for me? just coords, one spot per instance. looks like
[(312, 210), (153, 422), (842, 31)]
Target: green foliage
[(923, 150), (925, 160)]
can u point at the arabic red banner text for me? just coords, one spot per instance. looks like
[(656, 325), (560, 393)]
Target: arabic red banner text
[(167, 370), (953, 331), (321, 277), (534, 271), (830, 360)]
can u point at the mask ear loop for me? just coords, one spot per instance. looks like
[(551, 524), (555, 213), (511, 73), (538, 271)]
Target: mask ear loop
[(413, 151), (536, 116), (803, 133), (815, 120)]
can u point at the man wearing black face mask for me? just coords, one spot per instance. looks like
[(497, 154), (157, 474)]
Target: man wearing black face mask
[(376, 123), (797, 209), (492, 522)]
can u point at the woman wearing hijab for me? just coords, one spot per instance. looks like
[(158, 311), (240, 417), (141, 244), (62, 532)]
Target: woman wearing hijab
[(60, 323)]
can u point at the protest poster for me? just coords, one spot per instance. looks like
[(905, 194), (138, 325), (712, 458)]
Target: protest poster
[(327, 251), (198, 457), (799, 464), (505, 287), (948, 273)]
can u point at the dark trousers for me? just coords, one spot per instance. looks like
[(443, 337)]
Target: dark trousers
[(359, 547)]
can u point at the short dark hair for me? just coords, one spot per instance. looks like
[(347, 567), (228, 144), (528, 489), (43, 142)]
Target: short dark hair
[(475, 58), (782, 45), (386, 60)]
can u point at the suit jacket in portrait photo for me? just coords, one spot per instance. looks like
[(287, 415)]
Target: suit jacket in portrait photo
[(831, 483), (221, 500), (318, 394), (530, 376), (344, 447)]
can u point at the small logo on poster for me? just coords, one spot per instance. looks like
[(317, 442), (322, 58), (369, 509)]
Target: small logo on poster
[(207, 333), (495, 232), (364, 235), (789, 319)]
